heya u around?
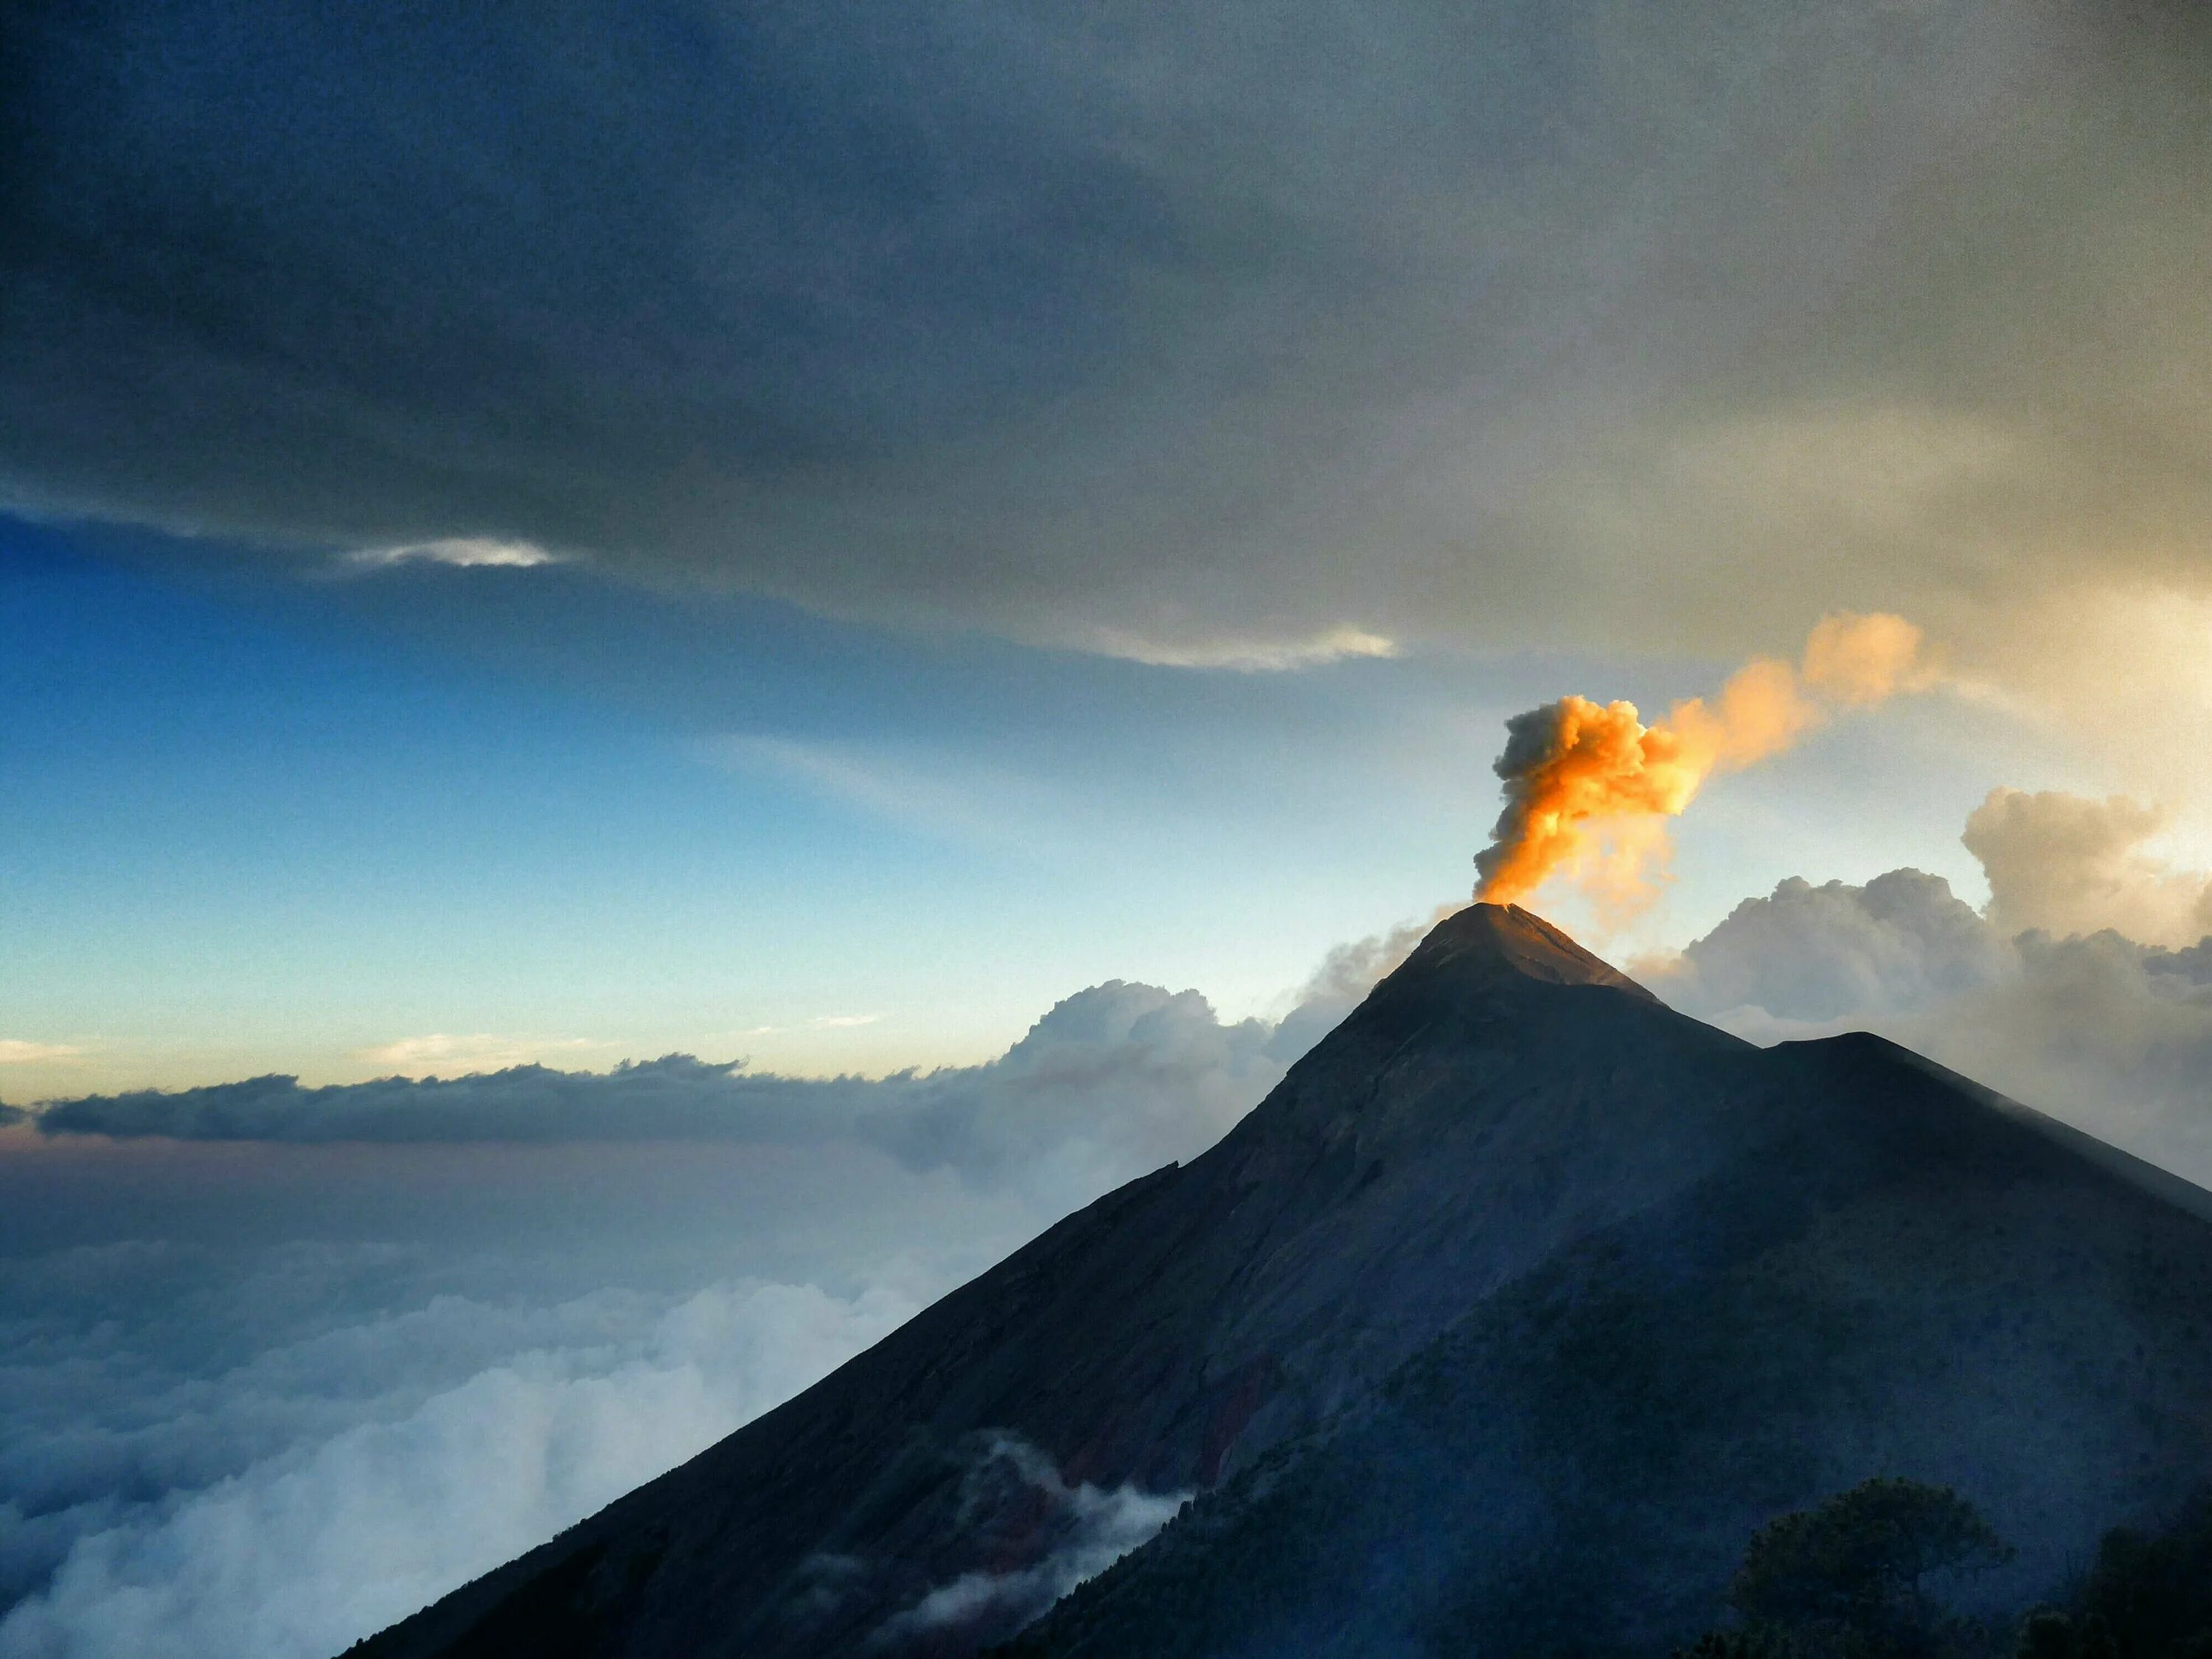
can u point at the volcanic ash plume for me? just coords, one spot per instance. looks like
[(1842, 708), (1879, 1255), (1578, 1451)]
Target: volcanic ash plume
[(1586, 784)]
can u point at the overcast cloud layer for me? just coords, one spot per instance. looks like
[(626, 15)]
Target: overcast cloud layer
[(1238, 336)]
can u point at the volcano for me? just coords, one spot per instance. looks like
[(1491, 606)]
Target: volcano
[(1495, 1328)]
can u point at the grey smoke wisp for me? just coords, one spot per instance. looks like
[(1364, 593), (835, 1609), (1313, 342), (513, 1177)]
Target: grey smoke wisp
[(1092, 1528)]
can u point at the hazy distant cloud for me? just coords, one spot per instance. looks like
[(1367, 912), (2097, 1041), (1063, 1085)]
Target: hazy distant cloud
[(413, 1055), (1112, 1082), (2065, 865), (1246, 655), (675, 1097), (1219, 337), (15, 1051), (819, 1023)]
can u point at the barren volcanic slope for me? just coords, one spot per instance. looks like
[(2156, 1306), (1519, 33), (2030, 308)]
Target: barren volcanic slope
[(1494, 1329)]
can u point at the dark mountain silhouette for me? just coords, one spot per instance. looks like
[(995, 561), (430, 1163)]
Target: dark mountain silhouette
[(1495, 1328)]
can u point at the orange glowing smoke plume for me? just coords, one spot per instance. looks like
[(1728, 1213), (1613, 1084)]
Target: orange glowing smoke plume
[(1575, 768)]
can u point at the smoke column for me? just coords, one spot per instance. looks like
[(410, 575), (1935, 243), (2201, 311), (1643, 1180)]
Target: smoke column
[(1587, 785)]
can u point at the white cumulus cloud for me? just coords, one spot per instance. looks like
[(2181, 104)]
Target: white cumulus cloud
[(2042, 997)]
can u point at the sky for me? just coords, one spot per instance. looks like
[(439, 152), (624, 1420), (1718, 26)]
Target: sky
[(977, 562)]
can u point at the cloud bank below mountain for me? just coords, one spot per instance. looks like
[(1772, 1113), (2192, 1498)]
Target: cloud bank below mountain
[(272, 1444)]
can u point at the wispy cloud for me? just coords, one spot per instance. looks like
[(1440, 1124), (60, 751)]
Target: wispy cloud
[(14, 1051), (818, 1022), (1097, 1529), (476, 1051), (1247, 655), (971, 804), (466, 550)]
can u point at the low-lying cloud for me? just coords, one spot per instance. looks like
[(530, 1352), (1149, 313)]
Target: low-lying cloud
[(18, 1051), (330, 1528), (272, 1447)]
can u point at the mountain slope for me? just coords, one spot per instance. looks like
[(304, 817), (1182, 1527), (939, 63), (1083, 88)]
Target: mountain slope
[(1516, 1274), (1908, 1282)]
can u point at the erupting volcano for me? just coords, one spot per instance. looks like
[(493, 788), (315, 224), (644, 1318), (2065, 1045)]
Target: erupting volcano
[(1495, 1328)]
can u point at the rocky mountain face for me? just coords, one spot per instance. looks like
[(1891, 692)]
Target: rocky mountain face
[(1495, 1329)]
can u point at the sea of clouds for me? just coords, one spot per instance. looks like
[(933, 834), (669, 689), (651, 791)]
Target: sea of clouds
[(284, 1364)]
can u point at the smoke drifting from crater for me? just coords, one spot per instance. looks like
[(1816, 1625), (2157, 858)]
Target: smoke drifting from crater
[(1587, 785)]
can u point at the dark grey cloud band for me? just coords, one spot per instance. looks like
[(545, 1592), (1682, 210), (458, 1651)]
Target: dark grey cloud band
[(1156, 331)]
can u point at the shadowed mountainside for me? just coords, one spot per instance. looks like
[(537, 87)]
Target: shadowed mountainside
[(1494, 1329)]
